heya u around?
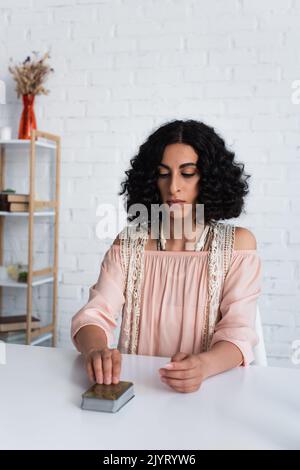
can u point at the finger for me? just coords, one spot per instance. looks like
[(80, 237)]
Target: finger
[(90, 371), (183, 386), (97, 367), (187, 390), (185, 364), (116, 366), (106, 366), (179, 356), (179, 374)]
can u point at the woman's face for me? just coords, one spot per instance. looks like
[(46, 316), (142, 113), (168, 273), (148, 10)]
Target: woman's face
[(179, 178)]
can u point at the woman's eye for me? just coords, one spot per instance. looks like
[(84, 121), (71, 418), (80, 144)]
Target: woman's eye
[(186, 175)]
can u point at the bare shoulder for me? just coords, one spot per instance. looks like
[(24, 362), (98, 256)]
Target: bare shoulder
[(244, 239)]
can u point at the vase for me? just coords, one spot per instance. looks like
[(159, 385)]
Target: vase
[(28, 122)]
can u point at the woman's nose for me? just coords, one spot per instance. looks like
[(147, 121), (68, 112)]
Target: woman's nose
[(174, 184)]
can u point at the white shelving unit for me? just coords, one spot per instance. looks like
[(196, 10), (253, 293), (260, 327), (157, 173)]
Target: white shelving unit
[(38, 143), (23, 285), (37, 208), (26, 214)]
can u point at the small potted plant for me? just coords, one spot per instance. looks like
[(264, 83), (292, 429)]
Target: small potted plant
[(30, 77)]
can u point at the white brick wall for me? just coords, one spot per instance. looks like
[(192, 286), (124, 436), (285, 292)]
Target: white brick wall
[(123, 67)]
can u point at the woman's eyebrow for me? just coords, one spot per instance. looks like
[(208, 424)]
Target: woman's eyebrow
[(183, 165)]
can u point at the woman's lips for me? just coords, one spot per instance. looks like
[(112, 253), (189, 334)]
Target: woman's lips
[(173, 203)]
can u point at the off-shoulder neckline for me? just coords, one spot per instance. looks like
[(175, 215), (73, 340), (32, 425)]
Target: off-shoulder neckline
[(187, 253)]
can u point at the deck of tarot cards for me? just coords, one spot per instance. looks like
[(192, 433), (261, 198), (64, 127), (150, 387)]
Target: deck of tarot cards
[(110, 398)]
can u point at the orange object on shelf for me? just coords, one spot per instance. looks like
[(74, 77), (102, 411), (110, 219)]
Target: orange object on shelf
[(28, 121)]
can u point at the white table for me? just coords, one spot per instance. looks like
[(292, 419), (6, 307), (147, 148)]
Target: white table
[(253, 408)]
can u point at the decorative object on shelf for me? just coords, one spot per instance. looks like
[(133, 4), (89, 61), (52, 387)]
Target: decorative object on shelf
[(2, 92), (18, 272), (23, 276), (12, 271), (28, 120), (3, 273), (5, 133), (9, 191), (30, 77)]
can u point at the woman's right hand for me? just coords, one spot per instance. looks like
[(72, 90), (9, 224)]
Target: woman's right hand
[(103, 365)]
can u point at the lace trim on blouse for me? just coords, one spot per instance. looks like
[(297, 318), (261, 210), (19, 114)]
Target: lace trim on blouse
[(132, 246)]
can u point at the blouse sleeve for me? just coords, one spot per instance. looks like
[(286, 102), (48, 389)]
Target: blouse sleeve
[(106, 298), (241, 289)]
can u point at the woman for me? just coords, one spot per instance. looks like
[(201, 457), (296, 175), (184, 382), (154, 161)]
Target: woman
[(191, 298)]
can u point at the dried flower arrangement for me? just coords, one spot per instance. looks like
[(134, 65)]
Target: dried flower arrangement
[(30, 77), (31, 74)]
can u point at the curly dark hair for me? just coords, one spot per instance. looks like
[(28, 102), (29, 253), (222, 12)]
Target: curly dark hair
[(223, 184)]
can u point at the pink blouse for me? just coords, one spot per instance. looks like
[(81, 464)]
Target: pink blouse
[(174, 296)]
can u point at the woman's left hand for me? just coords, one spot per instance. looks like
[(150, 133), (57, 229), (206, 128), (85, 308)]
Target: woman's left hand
[(186, 374)]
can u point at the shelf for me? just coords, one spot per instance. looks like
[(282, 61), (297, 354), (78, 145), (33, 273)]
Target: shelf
[(26, 214), (23, 285), (19, 142), (41, 339), (20, 338), (35, 208)]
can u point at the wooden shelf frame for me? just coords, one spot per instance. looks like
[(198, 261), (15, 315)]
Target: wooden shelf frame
[(36, 208)]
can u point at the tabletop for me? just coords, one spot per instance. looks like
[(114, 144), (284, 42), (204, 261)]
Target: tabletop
[(244, 408)]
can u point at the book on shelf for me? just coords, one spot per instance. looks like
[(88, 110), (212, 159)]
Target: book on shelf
[(16, 337), (13, 197), (16, 323), (12, 202), (14, 206)]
